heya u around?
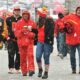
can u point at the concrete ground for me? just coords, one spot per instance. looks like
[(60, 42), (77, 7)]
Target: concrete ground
[(59, 69)]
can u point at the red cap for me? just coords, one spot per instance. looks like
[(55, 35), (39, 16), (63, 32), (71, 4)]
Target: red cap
[(16, 8)]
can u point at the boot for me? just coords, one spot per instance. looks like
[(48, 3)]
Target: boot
[(45, 76), (73, 70), (25, 74), (31, 73), (40, 72), (79, 70)]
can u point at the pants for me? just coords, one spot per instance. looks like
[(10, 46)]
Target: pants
[(73, 56), (63, 47), (13, 55), (45, 50), (27, 58), (57, 39)]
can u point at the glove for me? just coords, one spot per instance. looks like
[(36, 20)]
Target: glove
[(29, 28), (68, 28)]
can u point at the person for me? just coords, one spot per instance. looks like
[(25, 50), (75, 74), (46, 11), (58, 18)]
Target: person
[(72, 29), (5, 32), (63, 47), (1, 32), (25, 33), (14, 62), (58, 33), (45, 41)]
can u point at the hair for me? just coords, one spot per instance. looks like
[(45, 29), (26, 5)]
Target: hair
[(60, 15), (41, 21), (77, 8), (49, 25)]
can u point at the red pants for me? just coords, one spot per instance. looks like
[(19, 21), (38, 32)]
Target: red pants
[(27, 59)]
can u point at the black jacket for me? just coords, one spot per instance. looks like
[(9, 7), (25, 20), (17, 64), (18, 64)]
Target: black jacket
[(2, 26), (9, 22), (49, 31)]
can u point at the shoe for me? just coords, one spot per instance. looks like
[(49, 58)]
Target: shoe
[(79, 70), (18, 72), (45, 76), (25, 74), (31, 73), (40, 73), (61, 56), (11, 71), (73, 70)]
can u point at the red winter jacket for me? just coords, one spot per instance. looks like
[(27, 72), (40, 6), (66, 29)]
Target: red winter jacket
[(23, 35), (74, 37)]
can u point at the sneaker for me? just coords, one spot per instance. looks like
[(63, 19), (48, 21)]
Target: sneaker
[(61, 56), (40, 73), (31, 73), (45, 76), (18, 72), (11, 71)]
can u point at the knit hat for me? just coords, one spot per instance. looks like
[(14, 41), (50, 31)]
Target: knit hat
[(42, 12)]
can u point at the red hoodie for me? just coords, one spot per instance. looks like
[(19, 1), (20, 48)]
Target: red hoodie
[(23, 35), (74, 37)]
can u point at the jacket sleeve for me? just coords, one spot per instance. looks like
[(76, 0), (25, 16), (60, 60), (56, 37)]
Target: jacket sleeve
[(9, 27)]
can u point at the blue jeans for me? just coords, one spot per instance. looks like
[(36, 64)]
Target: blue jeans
[(62, 44), (72, 55), (45, 50)]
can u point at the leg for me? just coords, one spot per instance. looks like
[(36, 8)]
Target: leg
[(23, 60), (47, 51), (17, 60), (72, 58), (39, 52), (11, 54), (78, 47), (30, 57)]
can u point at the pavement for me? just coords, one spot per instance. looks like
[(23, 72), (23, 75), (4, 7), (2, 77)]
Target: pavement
[(60, 69)]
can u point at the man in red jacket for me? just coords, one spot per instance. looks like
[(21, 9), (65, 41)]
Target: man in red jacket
[(25, 34), (72, 29)]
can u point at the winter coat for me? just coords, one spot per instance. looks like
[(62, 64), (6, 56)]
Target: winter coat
[(24, 36), (72, 26)]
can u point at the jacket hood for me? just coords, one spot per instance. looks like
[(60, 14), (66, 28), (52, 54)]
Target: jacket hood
[(26, 12)]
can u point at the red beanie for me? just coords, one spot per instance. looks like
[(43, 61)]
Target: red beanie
[(42, 12)]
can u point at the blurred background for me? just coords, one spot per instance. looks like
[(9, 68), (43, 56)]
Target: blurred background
[(54, 6)]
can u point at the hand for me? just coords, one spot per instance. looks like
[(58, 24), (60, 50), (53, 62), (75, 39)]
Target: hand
[(25, 26), (29, 28)]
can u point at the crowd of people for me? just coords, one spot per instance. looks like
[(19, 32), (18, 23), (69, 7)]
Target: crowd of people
[(20, 33)]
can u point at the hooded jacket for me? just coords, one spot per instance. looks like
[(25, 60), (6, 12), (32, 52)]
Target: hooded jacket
[(24, 36), (74, 37)]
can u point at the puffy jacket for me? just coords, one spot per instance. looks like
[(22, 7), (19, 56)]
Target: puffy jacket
[(23, 35), (74, 37)]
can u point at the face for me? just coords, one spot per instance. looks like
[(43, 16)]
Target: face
[(66, 11), (16, 12), (25, 17), (78, 12)]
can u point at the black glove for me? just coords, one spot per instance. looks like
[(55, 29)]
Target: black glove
[(68, 28)]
